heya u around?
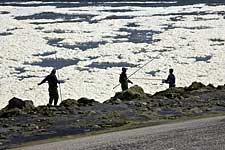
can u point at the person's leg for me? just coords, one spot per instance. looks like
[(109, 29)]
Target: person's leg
[(56, 98), (51, 97), (124, 86), (171, 85)]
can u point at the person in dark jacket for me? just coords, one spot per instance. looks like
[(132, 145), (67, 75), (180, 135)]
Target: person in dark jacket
[(52, 87), (171, 79), (124, 80)]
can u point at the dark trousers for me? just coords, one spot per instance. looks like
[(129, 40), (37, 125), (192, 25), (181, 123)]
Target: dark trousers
[(53, 96), (172, 85), (124, 86)]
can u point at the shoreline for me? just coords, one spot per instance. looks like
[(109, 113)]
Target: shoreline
[(21, 122)]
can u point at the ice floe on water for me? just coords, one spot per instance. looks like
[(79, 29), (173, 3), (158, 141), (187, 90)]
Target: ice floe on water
[(89, 43)]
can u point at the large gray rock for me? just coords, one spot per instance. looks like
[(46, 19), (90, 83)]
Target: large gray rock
[(29, 105), (17, 107), (195, 86), (171, 93), (20, 104), (132, 93), (220, 87), (15, 103)]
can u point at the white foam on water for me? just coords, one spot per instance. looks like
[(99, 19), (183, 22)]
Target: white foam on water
[(186, 46)]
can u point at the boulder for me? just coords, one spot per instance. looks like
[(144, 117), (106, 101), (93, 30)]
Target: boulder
[(69, 103), (136, 90), (29, 105), (15, 103), (211, 86), (171, 93), (195, 86), (20, 104), (220, 87), (132, 93), (86, 102)]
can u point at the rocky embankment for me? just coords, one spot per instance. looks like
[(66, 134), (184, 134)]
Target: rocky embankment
[(21, 121)]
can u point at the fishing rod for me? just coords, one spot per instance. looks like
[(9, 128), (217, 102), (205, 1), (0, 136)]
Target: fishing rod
[(146, 79), (60, 91), (138, 69)]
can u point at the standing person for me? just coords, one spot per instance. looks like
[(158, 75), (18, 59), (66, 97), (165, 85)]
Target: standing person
[(52, 89), (171, 79), (124, 80)]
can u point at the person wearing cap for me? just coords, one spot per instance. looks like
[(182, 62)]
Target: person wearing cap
[(171, 79), (124, 80), (52, 87)]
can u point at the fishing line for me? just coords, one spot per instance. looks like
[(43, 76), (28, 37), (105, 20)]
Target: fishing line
[(139, 68)]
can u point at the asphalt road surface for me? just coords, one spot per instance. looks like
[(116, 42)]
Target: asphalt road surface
[(203, 134)]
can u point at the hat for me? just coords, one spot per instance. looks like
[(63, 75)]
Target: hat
[(124, 68)]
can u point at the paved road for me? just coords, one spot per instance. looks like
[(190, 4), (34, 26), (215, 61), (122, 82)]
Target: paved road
[(203, 134)]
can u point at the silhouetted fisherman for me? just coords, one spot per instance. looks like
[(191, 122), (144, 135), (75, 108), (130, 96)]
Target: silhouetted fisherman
[(52, 89), (124, 80), (171, 79)]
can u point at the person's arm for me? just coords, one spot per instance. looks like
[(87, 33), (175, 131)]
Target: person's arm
[(57, 80), (166, 80), (129, 81), (43, 81)]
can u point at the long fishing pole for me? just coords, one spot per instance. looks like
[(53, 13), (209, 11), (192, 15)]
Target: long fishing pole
[(146, 79), (138, 69), (60, 91)]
